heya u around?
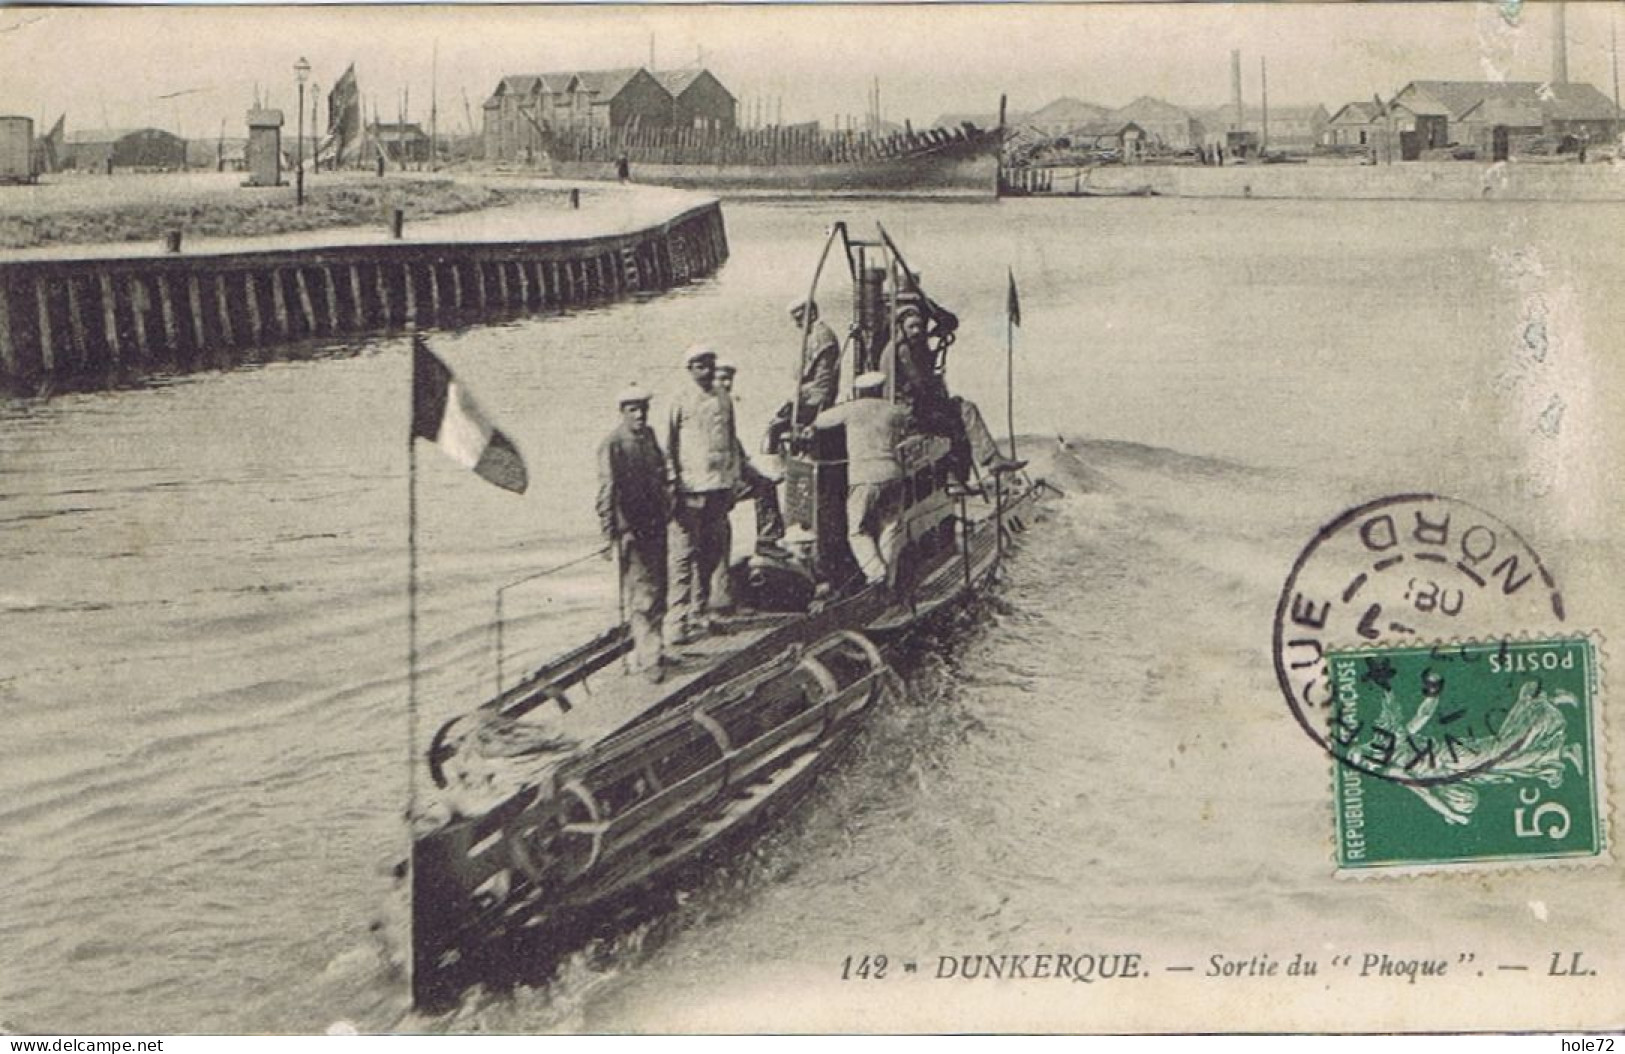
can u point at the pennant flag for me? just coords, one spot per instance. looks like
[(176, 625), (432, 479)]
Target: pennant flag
[(1013, 302), (343, 117), (444, 412)]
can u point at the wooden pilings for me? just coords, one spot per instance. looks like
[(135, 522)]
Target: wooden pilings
[(78, 323)]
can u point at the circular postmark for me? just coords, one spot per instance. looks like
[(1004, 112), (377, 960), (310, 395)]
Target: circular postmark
[(1405, 571)]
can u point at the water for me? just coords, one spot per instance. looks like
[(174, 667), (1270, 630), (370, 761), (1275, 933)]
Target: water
[(202, 634)]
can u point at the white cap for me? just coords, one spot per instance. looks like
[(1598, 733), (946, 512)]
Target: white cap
[(795, 306), (872, 379), (633, 393), (697, 351), (724, 366)]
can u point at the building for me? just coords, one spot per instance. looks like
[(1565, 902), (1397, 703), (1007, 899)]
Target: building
[(527, 108), (699, 100), (1467, 112), (1164, 124), (402, 144), (1124, 139), (1355, 124), (1065, 115), (139, 149)]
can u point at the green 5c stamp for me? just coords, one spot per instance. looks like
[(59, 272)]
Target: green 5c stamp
[(1463, 754)]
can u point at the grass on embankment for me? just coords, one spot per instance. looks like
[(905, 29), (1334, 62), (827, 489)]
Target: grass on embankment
[(223, 214)]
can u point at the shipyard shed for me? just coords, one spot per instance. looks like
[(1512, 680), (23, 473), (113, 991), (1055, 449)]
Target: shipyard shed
[(699, 100), (132, 149)]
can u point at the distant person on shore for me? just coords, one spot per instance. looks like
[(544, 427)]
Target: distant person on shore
[(634, 513), (702, 459), (623, 169), (820, 373), (874, 426)]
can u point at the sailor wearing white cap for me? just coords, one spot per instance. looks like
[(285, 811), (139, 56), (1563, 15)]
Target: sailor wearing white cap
[(702, 458), (634, 510), (820, 372), (874, 427)]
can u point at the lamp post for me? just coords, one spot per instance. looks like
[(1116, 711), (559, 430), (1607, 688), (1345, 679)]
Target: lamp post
[(301, 70)]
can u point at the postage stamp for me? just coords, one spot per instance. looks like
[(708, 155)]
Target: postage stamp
[(1466, 754)]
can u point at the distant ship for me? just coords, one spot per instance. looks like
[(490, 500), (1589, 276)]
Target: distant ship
[(964, 160)]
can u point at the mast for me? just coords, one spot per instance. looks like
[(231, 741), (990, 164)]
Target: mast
[(434, 108), (1264, 101)]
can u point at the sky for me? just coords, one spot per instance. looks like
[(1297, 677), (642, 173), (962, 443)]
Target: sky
[(127, 66)]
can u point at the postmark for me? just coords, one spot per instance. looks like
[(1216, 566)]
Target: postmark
[(1490, 752), (1404, 570)]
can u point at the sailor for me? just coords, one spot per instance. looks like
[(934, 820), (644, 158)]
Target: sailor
[(702, 459), (761, 487), (922, 388), (634, 510), (820, 373), (874, 426)]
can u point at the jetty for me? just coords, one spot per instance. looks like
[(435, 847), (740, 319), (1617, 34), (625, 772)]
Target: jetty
[(85, 316)]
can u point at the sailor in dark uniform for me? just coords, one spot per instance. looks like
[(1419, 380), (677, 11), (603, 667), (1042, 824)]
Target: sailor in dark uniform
[(634, 511)]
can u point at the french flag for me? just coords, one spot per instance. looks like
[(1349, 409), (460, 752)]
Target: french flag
[(444, 412)]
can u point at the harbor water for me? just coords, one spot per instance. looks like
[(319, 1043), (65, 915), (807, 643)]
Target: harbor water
[(203, 629)]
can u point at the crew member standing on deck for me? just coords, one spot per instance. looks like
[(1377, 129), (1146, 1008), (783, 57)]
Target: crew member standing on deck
[(756, 485), (634, 510), (702, 458), (874, 427), (820, 373)]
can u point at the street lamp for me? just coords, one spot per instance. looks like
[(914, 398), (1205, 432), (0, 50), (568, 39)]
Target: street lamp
[(301, 70)]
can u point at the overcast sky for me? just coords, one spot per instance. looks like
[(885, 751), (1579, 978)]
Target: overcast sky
[(112, 66)]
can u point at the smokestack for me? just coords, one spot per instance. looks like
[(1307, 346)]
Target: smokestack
[(1560, 49), (1235, 89)]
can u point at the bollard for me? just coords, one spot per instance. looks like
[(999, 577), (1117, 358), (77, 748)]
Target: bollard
[(172, 240), (397, 223), (575, 198), (380, 166)]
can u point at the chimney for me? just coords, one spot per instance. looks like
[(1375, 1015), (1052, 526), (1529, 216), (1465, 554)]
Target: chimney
[(1560, 51), (1235, 89)]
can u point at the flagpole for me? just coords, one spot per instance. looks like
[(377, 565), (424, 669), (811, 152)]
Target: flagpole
[(1010, 379), (411, 683), (1010, 367)]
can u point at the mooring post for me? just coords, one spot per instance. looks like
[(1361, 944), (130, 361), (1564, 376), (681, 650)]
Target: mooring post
[(332, 299), (76, 324), (166, 307), (139, 305), (279, 304), (382, 285), (356, 298), (256, 321), (411, 294), (575, 198), (222, 303), (8, 347), (172, 240), (305, 303), (397, 224), (47, 347), (115, 348)]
